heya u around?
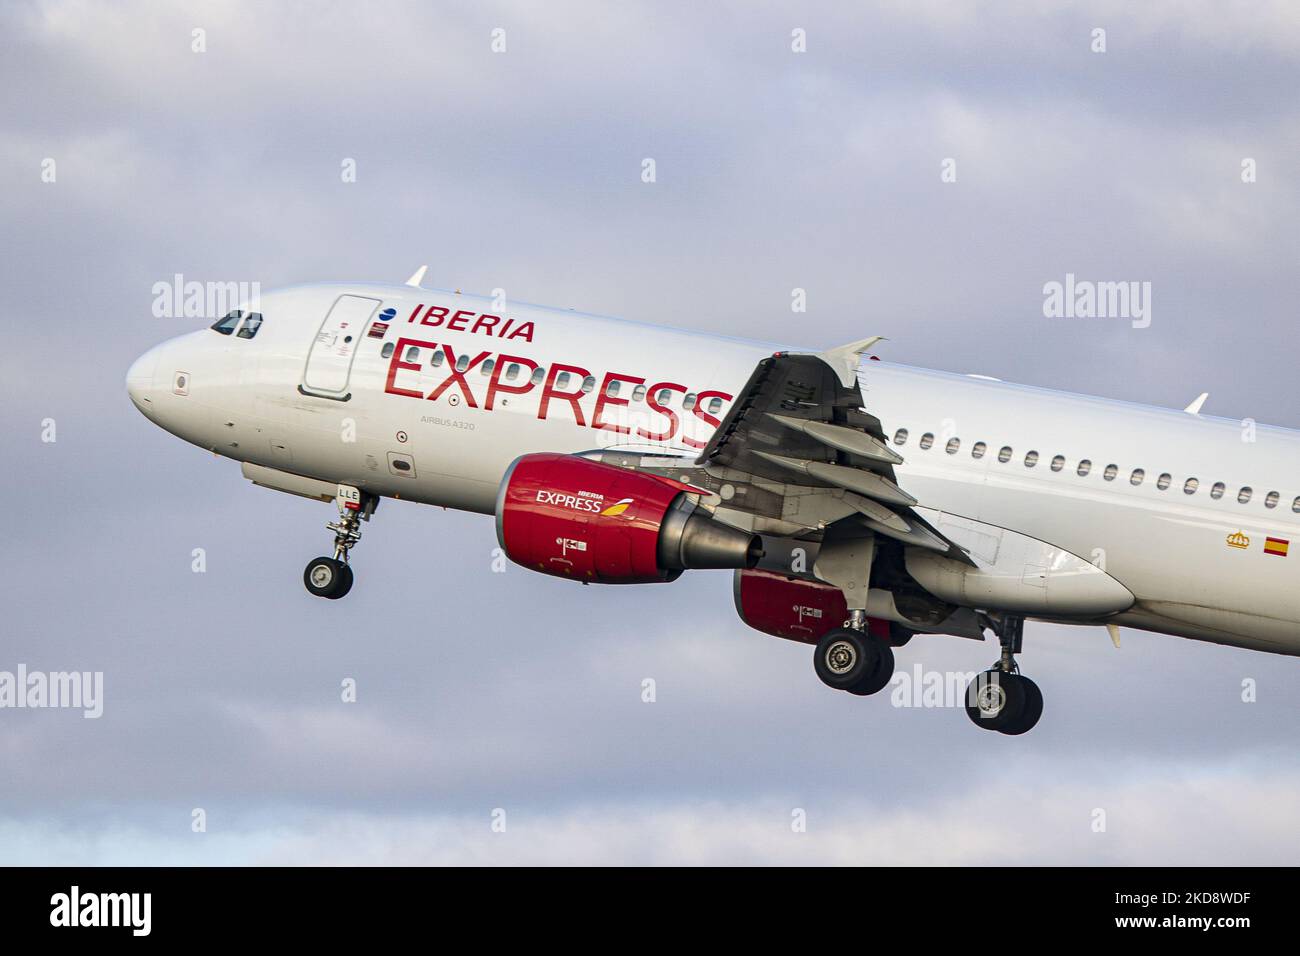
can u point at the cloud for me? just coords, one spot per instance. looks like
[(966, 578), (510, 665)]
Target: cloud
[(1184, 816)]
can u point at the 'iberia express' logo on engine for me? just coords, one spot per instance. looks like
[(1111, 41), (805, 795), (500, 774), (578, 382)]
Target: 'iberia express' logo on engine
[(588, 501), (585, 501)]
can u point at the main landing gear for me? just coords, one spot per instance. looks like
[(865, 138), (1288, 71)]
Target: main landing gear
[(1001, 698), (852, 659), (332, 577)]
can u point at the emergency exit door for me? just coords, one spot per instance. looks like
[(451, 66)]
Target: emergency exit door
[(329, 363)]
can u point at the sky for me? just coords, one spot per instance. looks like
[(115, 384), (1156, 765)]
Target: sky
[(499, 717)]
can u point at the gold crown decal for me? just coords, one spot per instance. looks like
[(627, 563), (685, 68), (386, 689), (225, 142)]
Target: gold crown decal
[(1238, 540)]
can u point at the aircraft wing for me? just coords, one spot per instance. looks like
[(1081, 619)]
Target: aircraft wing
[(798, 432)]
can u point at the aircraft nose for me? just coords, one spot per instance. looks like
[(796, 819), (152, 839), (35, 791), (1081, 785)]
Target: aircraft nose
[(139, 380)]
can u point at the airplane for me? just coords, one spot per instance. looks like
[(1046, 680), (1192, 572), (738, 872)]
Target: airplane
[(857, 502)]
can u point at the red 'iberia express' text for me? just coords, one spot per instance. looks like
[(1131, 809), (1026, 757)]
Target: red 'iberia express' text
[(550, 397)]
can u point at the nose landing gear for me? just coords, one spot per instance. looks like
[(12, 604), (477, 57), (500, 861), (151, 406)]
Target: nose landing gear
[(328, 578), (1002, 698), (332, 577)]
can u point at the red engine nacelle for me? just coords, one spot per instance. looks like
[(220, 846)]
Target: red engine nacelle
[(795, 608), (588, 521)]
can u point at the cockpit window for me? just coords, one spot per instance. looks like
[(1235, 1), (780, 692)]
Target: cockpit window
[(251, 325), (252, 321), (227, 325)]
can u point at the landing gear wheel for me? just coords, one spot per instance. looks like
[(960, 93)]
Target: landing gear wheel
[(877, 679), (327, 577), (332, 577), (345, 583), (848, 659), (996, 699), (1033, 710), (845, 657)]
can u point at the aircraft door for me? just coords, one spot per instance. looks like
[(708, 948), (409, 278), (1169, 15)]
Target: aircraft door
[(329, 363)]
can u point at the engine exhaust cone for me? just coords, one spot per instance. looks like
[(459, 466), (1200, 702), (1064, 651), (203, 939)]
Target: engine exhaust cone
[(692, 540)]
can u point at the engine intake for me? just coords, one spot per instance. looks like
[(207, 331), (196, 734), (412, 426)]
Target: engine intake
[(592, 522)]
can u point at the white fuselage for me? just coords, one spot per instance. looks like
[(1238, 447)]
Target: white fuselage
[(299, 399)]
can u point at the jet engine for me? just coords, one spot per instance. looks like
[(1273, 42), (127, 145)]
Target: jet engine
[(799, 609), (597, 523)]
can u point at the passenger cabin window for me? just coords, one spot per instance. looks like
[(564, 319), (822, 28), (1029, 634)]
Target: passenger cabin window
[(1031, 459), (512, 371), (665, 396), (488, 366), (612, 388), (1295, 505), (436, 358), (1004, 455), (1216, 492), (588, 384), (638, 393), (562, 380), (1110, 472), (539, 375), (386, 351), (1190, 486), (412, 354), (978, 449), (1058, 463), (900, 436), (927, 440), (1137, 477), (953, 445), (689, 401), (1270, 501), (462, 363), (1243, 496), (1163, 481), (227, 324), (715, 406), (251, 325), (1085, 466)]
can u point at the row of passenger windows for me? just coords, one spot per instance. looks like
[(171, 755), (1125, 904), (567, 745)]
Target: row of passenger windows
[(1109, 473), (226, 324), (438, 357)]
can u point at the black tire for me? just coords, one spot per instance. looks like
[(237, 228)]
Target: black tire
[(878, 679), (1032, 711), (324, 576), (844, 658), (996, 699), (344, 585)]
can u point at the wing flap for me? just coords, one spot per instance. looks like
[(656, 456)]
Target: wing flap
[(799, 427)]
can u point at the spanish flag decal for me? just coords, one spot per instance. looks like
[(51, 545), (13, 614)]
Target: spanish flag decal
[(618, 507), (1278, 546)]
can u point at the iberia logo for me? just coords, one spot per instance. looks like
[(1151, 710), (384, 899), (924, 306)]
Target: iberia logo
[(617, 508)]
